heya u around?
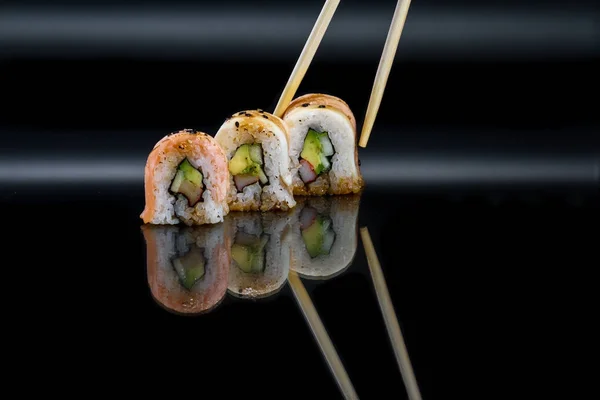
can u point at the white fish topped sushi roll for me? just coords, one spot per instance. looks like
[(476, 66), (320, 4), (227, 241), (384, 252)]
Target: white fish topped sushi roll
[(260, 253), (323, 149), (256, 144), (325, 235), (186, 180), (188, 267)]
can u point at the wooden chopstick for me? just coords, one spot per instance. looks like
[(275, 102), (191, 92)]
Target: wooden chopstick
[(389, 316), (383, 70), (320, 334), (308, 52)]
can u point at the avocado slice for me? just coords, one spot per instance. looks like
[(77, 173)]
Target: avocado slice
[(190, 173), (319, 237), (317, 147), (248, 252), (247, 160), (242, 256), (190, 268), (241, 160), (188, 181)]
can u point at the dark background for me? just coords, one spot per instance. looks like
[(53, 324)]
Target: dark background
[(501, 92), (482, 198)]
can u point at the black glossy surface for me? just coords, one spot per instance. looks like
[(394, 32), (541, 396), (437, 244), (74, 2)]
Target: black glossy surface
[(472, 276)]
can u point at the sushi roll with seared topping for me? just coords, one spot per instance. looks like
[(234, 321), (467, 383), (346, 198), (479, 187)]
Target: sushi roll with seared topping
[(187, 267), (260, 253), (186, 180), (325, 235), (256, 145), (323, 150)]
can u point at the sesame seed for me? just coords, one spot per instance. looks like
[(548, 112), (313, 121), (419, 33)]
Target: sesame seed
[(266, 117), (237, 124), (321, 106), (305, 105)]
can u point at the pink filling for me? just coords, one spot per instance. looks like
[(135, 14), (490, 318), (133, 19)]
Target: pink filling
[(307, 172), (241, 181)]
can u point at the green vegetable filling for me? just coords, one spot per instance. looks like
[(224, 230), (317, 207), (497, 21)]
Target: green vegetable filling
[(317, 150), (188, 182), (190, 268), (248, 160), (248, 252), (319, 237)]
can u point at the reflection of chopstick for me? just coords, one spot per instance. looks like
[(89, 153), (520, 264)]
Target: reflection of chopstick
[(312, 317), (391, 322)]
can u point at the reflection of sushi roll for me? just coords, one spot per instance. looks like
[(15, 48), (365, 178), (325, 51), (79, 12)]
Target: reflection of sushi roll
[(187, 267), (256, 145), (324, 235), (186, 180), (323, 151), (260, 254)]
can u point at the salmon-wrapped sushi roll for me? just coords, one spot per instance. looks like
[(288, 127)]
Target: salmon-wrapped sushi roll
[(323, 150), (188, 267), (256, 144), (186, 180)]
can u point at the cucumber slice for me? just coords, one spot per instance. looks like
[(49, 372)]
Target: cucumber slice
[(326, 223), (179, 178), (263, 241), (256, 153), (261, 175), (328, 239), (326, 146), (258, 255), (325, 163)]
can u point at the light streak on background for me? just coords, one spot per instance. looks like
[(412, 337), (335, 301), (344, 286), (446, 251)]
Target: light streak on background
[(275, 32), (402, 170)]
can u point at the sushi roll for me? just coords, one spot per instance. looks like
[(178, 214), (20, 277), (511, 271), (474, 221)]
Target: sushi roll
[(323, 150), (325, 235), (187, 267), (186, 180), (260, 253), (256, 144)]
